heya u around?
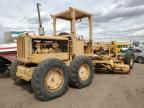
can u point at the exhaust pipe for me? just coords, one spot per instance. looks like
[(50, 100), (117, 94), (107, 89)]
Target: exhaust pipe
[(40, 29)]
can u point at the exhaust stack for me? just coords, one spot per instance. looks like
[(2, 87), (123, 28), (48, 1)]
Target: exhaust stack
[(40, 29)]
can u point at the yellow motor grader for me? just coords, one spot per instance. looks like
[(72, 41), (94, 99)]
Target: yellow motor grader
[(107, 58), (51, 63)]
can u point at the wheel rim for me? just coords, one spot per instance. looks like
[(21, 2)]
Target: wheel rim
[(54, 80), (140, 60), (84, 72)]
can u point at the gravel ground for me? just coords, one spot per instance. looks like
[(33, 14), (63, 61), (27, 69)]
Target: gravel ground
[(106, 91)]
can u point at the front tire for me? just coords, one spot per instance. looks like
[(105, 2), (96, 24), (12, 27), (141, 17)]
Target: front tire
[(13, 69), (81, 72), (50, 79)]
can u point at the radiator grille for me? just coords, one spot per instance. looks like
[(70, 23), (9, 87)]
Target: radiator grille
[(21, 47)]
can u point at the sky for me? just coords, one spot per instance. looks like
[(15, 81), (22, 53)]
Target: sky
[(121, 20)]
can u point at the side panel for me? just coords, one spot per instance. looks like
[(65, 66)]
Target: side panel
[(10, 56), (24, 72), (77, 47), (24, 48), (37, 58)]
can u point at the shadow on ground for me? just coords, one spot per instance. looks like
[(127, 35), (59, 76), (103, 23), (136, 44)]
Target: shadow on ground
[(5, 75)]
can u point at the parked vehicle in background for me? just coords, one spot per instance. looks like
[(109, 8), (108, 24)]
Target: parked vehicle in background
[(139, 55), (122, 46)]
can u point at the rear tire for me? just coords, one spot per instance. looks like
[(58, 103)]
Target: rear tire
[(129, 59), (50, 79), (81, 72)]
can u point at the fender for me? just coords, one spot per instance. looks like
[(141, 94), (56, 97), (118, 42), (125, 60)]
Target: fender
[(8, 52), (11, 56)]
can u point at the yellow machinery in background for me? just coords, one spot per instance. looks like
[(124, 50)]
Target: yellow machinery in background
[(119, 46), (122, 45)]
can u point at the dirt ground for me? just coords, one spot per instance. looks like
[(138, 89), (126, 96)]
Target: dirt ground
[(106, 91)]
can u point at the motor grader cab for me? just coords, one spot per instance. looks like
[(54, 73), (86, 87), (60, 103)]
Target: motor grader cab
[(51, 63), (79, 46)]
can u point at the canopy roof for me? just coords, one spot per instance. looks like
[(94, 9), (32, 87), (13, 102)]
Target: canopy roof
[(67, 15)]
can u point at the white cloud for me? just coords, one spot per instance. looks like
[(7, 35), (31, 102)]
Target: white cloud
[(117, 19), (115, 12), (33, 19), (139, 33)]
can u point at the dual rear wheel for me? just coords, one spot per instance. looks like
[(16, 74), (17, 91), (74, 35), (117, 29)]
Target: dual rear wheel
[(51, 77)]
